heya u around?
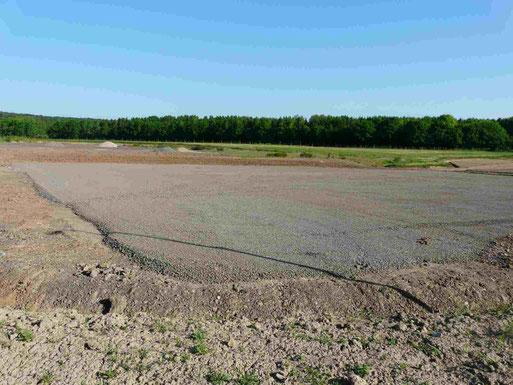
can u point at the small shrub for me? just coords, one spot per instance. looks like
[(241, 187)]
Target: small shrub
[(197, 148), (220, 149), (306, 155), (277, 154), (217, 378)]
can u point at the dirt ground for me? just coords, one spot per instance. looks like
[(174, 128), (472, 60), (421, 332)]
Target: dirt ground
[(94, 316), (13, 153)]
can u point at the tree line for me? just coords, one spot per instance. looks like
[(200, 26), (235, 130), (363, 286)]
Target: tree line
[(320, 130)]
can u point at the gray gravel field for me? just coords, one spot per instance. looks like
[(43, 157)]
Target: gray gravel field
[(234, 223)]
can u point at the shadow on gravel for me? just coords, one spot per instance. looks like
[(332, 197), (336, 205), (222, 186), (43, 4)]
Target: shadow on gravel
[(404, 293)]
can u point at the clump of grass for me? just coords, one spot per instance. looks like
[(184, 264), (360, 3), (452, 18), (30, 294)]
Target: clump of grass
[(23, 335), (169, 356), (363, 370), (220, 149), (324, 339), (160, 327), (107, 375), (427, 348), (277, 154), (199, 349), (248, 379), (217, 378), (315, 376), (143, 353), (46, 378), (198, 335), (507, 333), (305, 154), (185, 357)]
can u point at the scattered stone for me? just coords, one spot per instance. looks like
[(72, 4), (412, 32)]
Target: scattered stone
[(356, 380), (2, 254), (280, 376), (401, 326), (356, 343), (232, 343), (424, 241)]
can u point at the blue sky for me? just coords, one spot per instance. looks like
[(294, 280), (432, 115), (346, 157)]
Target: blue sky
[(124, 58)]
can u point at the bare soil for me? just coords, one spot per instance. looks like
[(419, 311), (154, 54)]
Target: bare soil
[(90, 300), (55, 259), (10, 154)]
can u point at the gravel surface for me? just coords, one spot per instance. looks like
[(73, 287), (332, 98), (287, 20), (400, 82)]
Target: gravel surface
[(232, 223)]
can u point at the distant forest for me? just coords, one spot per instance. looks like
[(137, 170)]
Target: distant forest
[(320, 130)]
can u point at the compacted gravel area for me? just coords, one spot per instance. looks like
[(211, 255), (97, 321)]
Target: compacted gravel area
[(216, 224)]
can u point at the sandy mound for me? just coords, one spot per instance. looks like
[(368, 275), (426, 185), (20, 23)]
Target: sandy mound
[(108, 145), (183, 149), (164, 149)]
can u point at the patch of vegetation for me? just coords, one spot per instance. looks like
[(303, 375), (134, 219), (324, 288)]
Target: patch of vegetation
[(185, 357), (112, 354), (197, 148), (217, 378), (143, 353), (363, 370), (248, 379), (199, 335), (277, 154), (324, 339), (46, 378), (107, 375), (507, 333), (23, 335), (199, 349), (220, 149), (306, 155), (169, 356), (123, 365), (161, 327), (428, 348), (315, 376)]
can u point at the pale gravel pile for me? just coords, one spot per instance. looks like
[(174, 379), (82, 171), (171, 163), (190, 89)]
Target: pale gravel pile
[(108, 145), (71, 348)]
